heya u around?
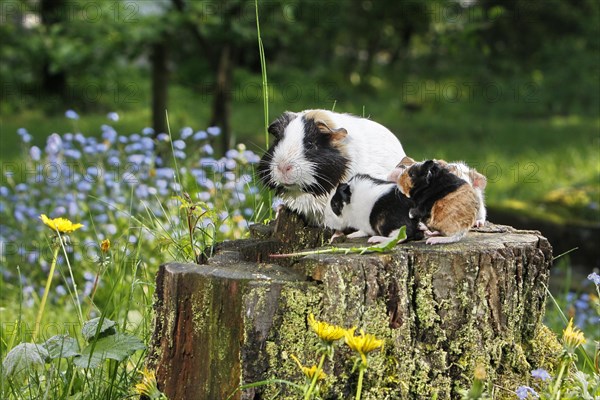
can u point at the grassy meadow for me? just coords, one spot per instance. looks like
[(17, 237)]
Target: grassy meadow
[(116, 186)]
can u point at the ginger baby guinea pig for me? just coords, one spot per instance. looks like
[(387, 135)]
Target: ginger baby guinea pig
[(315, 150), (477, 180), (445, 205)]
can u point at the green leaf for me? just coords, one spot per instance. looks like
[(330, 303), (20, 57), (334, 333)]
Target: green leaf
[(24, 357), (390, 244), (114, 347), (61, 346), (90, 327), (378, 248)]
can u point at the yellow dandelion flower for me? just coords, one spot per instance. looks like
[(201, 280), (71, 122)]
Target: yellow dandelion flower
[(62, 225), (147, 387), (105, 245), (309, 372), (363, 344), (572, 336), (327, 332)]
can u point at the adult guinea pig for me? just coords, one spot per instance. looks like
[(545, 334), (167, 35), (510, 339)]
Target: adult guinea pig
[(315, 150)]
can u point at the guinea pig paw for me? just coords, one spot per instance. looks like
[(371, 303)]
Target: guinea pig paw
[(429, 233), (479, 223), (422, 227), (357, 234), (377, 239), (336, 235)]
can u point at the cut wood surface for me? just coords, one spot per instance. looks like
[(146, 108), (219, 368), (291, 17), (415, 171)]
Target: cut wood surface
[(441, 310)]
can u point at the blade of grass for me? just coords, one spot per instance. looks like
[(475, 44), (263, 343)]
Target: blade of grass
[(263, 69), (265, 93), (588, 359)]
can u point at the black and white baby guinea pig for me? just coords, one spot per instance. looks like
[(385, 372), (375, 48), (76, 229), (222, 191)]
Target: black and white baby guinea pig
[(445, 204), (315, 150), (477, 180), (375, 207)]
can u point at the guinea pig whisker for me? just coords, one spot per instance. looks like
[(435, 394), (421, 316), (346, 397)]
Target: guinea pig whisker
[(324, 179)]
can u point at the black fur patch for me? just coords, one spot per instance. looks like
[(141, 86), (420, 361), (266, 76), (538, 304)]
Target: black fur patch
[(390, 212), (430, 183), (376, 181), (342, 196), (331, 165), (278, 126), (276, 129)]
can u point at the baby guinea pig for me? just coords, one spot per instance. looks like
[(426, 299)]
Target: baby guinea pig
[(444, 203), (373, 206), (315, 150), (477, 180)]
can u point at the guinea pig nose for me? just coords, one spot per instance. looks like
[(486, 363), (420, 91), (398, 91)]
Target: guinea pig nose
[(285, 168)]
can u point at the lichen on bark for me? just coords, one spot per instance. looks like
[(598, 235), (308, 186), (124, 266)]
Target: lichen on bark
[(441, 311)]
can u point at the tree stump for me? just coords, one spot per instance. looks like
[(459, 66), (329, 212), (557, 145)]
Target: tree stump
[(441, 310)]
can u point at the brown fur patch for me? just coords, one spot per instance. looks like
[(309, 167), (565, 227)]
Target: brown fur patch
[(454, 213), (405, 184), (326, 125), (321, 115)]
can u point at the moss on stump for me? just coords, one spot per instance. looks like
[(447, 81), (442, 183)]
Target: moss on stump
[(441, 310)]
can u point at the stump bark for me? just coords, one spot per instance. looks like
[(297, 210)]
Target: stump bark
[(441, 310)]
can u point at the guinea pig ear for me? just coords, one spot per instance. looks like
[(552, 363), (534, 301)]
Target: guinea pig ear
[(405, 162), (479, 180), (335, 133)]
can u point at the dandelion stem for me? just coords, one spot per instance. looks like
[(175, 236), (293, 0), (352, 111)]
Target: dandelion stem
[(38, 319), (76, 300), (313, 383), (361, 374), (556, 388)]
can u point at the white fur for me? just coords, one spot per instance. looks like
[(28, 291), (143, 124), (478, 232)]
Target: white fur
[(357, 213), (370, 148)]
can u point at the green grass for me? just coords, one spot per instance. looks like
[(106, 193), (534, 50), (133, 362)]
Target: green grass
[(543, 165)]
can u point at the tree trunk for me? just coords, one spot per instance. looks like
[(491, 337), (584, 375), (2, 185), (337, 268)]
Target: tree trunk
[(441, 310), (160, 85), (221, 107), (54, 83)]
